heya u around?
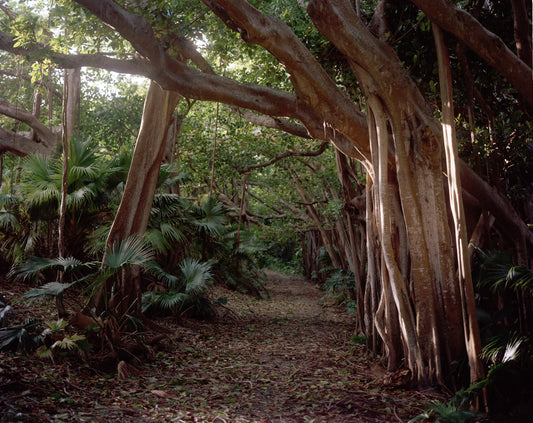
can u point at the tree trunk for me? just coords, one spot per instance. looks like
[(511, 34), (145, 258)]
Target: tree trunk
[(410, 210), (468, 302), (71, 96), (134, 210)]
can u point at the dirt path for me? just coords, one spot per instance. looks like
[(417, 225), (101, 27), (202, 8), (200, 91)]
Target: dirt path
[(285, 359)]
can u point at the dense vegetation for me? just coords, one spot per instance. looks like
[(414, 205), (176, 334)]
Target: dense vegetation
[(235, 194)]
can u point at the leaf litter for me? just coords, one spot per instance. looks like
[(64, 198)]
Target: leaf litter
[(285, 359)]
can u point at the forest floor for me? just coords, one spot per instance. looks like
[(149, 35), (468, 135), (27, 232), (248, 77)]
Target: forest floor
[(284, 359)]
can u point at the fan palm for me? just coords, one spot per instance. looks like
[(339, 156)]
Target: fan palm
[(121, 255), (166, 230), (15, 237), (497, 271), (88, 189), (186, 292), (210, 217), (40, 187)]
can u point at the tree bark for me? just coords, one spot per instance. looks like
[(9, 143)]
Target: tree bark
[(20, 144), (136, 203), (470, 324)]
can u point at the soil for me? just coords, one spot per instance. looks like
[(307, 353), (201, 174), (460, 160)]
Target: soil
[(284, 359)]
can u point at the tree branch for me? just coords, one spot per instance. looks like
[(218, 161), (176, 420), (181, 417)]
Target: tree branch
[(288, 153), (311, 82), (20, 145), (172, 74), (481, 41), (45, 135)]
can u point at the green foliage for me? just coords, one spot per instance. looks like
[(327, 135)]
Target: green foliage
[(456, 409), (50, 289), (19, 337), (340, 289), (29, 210), (185, 293), (33, 267), (132, 251), (497, 272), (504, 349)]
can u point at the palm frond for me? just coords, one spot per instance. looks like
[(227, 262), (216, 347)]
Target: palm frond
[(32, 266), (156, 270), (9, 220), (81, 197), (169, 176), (15, 336), (154, 237), (497, 271), (197, 276), (173, 234), (50, 289), (83, 161), (8, 201), (171, 300), (130, 251), (210, 217), (40, 183), (503, 349), (168, 205)]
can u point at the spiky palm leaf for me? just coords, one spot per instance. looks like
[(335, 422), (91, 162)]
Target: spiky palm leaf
[(156, 270), (40, 183), (128, 252), (165, 237), (9, 221), (83, 161), (186, 292), (81, 198), (167, 301), (497, 271), (19, 336), (503, 349), (8, 201), (169, 176), (50, 289), (32, 266), (167, 206), (210, 218), (197, 276)]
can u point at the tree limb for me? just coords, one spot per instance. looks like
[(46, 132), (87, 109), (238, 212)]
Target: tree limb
[(481, 41), (312, 84), (288, 153), (45, 135), (19, 144)]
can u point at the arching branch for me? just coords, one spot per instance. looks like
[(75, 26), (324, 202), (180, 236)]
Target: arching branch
[(45, 135), (484, 43), (288, 153)]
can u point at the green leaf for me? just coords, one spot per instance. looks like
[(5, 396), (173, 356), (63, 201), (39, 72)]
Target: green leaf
[(128, 252), (52, 289)]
